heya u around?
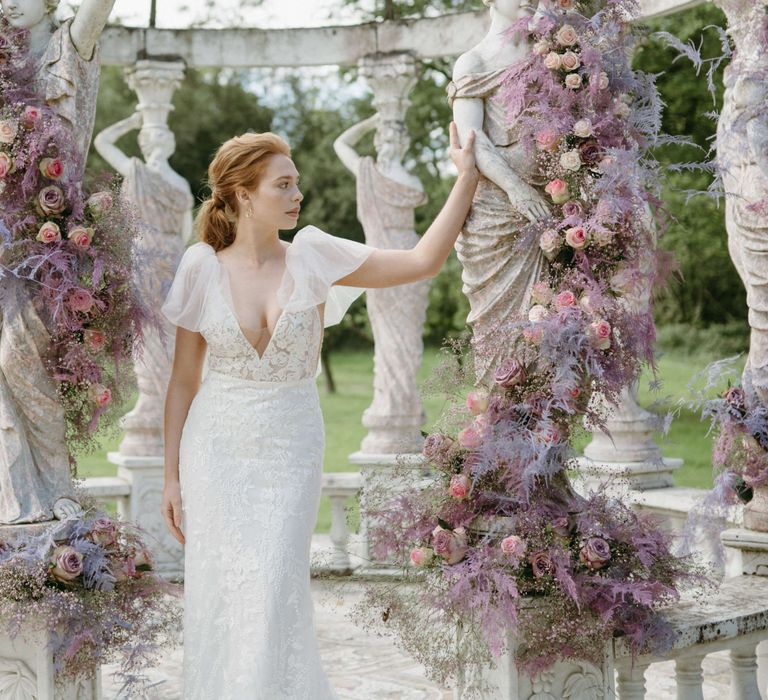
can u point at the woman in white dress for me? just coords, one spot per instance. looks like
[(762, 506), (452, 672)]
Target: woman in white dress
[(244, 446)]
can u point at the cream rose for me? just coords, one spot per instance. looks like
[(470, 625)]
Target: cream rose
[(550, 244), (542, 47), (8, 131), (541, 293), (52, 168), (599, 334), (582, 128), (573, 81), (566, 35), (601, 80), (570, 160), (422, 556), (537, 313), (547, 139), (48, 233), (99, 203), (558, 190), (81, 236), (6, 165), (459, 487), (602, 236), (570, 61), (552, 60)]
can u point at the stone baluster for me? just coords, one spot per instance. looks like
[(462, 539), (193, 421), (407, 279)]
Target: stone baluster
[(689, 678), (744, 673), (631, 680), (339, 488)]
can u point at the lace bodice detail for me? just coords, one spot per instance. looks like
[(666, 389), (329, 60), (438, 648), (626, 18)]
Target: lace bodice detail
[(200, 300), (292, 354)]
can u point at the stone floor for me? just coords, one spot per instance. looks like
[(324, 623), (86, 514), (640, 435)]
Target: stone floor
[(362, 667)]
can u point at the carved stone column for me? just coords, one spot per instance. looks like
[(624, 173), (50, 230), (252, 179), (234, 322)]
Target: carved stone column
[(160, 199), (386, 209)]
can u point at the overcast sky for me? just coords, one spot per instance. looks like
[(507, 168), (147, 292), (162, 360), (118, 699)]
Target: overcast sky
[(269, 13)]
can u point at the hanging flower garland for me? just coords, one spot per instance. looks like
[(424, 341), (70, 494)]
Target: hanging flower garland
[(499, 526), (70, 252)]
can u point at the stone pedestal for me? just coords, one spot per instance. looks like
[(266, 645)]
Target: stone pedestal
[(26, 671), (145, 474), (628, 457), (576, 679), (376, 470), (749, 551)]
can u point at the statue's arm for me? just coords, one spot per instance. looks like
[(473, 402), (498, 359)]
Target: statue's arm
[(757, 135), (105, 141), (88, 24), (345, 144), (468, 114)]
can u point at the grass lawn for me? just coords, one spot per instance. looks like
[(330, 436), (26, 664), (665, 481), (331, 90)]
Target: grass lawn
[(353, 374)]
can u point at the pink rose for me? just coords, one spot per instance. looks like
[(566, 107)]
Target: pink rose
[(100, 394), (81, 236), (48, 233), (451, 545), (513, 547), (566, 36), (81, 300), (582, 128), (509, 373), (565, 4), (460, 486), (94, 339), (595, 553), (541, 563), (52, 168), (571, 160), (565, 299), (470, 438), (569, 61), (576, 237), (547, 139), (66, 563), (550, 244), (599, 334), (30, 116), (99, 203), (541, 293), (8, 131), (51, 200), (558, 190), (104, 532), (422, 556), (6, 165), (573, 208), (537, 313), (437, 448), (601, 80), (552, 60), (573, 81), (533, 335), (477, 402)]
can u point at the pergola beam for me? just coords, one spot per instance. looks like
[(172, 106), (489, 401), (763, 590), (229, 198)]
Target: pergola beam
[(430, 38)]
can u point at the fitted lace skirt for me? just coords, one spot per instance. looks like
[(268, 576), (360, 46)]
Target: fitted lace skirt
[(250, 470)]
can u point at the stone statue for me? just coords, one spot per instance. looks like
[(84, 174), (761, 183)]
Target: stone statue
[(163, 200), (498, 278), (387, 195), (742, 156), (35, 481)]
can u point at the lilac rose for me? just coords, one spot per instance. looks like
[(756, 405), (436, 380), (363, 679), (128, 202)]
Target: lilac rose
[(736, 398), (541, 563), (590, 152), (437, 448), (595, 553), (66, 563), (509, 373), (104, 532), (573, 208), (451, 545), (51, 200)]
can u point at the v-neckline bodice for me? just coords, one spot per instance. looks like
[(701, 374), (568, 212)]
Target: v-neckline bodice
[(229, 302)]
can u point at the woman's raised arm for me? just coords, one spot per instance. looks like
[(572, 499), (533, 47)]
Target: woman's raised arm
[(388, 268)]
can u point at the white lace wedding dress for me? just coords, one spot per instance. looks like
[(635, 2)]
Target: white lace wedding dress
[(250, 466)]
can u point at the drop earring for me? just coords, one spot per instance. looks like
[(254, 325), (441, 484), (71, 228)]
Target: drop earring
[(249, 213)]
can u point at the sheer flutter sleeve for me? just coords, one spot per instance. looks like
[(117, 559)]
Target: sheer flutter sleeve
[(196, 277), (314, 261)]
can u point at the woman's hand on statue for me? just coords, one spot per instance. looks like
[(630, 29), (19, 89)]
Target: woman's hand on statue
[(530, 204), (463, 158), (170, 507)]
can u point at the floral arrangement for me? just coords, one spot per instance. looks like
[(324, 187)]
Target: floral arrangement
[(499, 525), (71, 252), (90, 583)]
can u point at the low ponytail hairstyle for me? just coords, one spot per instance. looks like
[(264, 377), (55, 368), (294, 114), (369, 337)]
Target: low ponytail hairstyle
[(239, 162)]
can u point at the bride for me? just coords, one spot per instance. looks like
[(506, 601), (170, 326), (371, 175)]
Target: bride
[(244, 446)]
